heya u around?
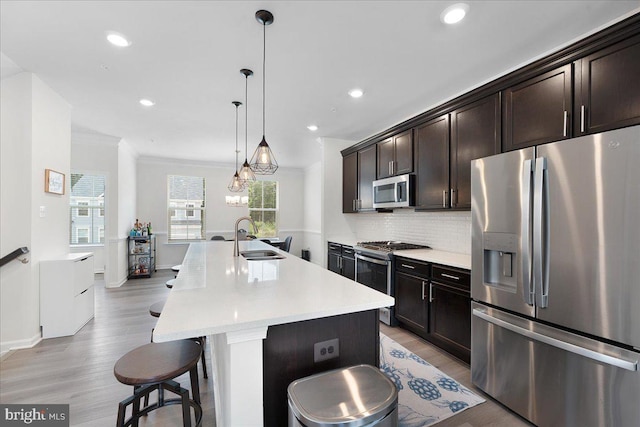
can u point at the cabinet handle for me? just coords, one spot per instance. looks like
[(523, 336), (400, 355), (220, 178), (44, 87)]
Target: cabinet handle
[(408, 266), (454, 198), (340, 263), (444, 198), (564, 124), (353, 204), (450, 276), (582, 118), (430, 292), (423, 285), (359, 204), (393, 167)]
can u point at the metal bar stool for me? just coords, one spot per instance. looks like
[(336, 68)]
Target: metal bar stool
[(156, 310), (152, 367)]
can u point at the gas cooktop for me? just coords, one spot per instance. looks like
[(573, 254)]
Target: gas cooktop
[(388, 246)]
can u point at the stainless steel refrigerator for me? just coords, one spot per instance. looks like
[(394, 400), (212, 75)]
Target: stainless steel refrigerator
[(556, 280)]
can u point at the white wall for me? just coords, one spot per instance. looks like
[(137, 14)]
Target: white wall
[(35, 135), (127, 200), (97, 154), (334, 222), (313, 212), (220, 219)]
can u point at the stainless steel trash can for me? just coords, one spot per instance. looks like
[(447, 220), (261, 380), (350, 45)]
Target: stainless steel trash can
[(349, 397)]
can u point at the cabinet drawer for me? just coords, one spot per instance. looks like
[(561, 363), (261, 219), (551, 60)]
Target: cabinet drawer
[(417, 268), (84, 308), (348, 251), (453, 276), (335, 248), (82, 274)]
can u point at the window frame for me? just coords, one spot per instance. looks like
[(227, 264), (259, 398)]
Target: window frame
[(276, 210), (190, 207), (87, 207)]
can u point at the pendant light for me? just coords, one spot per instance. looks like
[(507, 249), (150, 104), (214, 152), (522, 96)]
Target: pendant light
[(263, 161), (236, 185), (246, 174)]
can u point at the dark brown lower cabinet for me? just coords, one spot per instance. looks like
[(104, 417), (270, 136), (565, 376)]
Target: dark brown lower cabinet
[(411, 305), (434, 302), (288, 354), (450, 319)]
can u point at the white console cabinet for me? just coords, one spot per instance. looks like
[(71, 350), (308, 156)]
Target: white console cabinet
[(66, 294)]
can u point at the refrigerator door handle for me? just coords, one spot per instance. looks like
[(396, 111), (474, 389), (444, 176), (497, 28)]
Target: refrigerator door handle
[(540, 233), (628, 364), (525, 241)]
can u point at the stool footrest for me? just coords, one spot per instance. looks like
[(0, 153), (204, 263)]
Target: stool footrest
[(145, 391)]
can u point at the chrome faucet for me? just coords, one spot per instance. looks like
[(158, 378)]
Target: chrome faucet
[(236, 249)]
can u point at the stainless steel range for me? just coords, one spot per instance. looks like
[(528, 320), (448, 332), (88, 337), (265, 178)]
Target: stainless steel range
[(374, 268)]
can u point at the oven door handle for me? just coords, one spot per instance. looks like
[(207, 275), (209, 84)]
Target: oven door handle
[(373, 260)]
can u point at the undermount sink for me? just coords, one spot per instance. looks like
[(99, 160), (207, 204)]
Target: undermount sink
[(261, 255)]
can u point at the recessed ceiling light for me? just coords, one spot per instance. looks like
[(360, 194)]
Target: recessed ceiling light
[(356, 93), (454, 13), (147, 102), (312, 128), (118, 40)]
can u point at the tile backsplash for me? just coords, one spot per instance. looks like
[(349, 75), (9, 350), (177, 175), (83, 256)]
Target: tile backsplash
[(446, 231)]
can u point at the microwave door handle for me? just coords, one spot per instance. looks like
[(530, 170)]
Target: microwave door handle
[(398, 192)]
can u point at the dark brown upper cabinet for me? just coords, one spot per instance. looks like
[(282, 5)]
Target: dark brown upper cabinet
[(538, 110), (366, 176), (395, 155), (350, 183), (358, 174), (607, 88), (432, 164), (475, 133)]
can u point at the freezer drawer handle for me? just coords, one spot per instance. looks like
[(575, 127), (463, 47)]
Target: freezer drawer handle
[(630, 365)]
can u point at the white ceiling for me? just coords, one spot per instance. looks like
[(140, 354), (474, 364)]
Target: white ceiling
[(186, 56)]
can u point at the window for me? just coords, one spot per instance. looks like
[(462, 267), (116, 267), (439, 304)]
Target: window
[(83, 211), (186, 207), (87, 212), (263, 207), (82, 235)]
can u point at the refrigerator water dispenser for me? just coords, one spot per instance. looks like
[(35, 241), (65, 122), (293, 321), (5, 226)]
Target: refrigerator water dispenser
[(500, 260)]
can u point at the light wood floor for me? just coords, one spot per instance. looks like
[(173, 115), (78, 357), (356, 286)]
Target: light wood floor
[(78, 370)]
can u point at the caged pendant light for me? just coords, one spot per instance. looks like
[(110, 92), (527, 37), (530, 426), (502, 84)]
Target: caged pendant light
[(246, 174), (236, 184), (263, 162)]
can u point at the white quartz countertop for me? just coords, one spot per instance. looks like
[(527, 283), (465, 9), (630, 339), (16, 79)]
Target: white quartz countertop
[(216, 292), (343, 240), (438, 257)]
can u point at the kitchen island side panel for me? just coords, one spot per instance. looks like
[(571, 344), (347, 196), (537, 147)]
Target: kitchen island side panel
[(288, 354)]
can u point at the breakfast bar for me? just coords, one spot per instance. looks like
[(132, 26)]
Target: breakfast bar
[(263, 317)]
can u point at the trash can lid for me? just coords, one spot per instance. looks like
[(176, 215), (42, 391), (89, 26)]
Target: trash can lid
[(354, 396)]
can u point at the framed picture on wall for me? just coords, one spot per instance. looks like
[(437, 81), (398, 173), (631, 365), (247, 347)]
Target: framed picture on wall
[(53, 182)]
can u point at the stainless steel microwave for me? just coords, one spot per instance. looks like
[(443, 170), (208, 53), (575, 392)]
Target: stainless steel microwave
[(394, 192)]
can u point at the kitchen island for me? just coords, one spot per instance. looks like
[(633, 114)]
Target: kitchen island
[(262, 318)]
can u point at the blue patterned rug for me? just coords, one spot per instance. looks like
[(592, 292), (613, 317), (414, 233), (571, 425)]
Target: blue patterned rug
[(425, 395)]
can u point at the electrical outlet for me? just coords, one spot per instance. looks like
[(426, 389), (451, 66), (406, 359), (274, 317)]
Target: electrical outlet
[(326, 350)]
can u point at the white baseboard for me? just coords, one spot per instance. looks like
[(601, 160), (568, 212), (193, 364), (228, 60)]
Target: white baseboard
[(116, 284), (9, 346)]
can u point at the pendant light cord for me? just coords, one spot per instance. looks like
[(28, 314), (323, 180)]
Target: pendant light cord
[(264, 56), (236, 138), (246, 115)]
